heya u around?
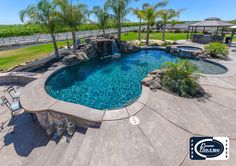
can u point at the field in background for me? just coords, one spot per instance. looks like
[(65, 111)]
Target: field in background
[(169, 36), (11, 58), (33, 29)]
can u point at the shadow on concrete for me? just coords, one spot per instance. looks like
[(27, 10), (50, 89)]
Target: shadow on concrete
[(28, 135)]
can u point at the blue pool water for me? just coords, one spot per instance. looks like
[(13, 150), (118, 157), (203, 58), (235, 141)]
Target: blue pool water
[(111, 84)]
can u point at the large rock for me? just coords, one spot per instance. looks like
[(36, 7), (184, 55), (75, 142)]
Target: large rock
[(70, 59), (147, 81), (89, 51), (128, 47), (64, 52), (155, 85), (157, 71)]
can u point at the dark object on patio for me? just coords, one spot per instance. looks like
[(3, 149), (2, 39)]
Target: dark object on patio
[(227, 40), (13, 93)]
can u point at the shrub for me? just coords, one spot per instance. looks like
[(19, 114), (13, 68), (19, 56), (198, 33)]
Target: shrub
[(217, 50), (179, 78)]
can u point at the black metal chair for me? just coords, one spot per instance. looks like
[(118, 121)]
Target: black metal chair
[(14, 108), (15, 95)]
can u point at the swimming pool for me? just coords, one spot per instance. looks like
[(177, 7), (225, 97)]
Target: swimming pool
[(112, 84)]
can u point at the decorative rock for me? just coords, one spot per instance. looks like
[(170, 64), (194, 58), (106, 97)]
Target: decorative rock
[(157, 71), (128, 47), (202, 56), (153, 76), (70, 59), (157, 79), (64, 52), (155, 85), (168, 49), (147, 81)]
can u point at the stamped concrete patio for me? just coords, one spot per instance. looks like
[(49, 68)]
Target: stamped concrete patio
[(162, 138)]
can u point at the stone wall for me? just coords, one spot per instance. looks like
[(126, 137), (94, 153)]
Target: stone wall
[(49, 118), (17, 78)]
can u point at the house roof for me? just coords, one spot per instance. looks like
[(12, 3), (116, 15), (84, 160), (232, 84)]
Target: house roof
[(212, 22)]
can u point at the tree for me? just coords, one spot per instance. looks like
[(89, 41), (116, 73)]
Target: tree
[(103, 17), (120, 9), (72, 15), (139, 14), (43, 13), (150, 14), (167, 15), (173, 23)]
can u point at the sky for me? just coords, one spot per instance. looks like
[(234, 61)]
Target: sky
[(195, 9)]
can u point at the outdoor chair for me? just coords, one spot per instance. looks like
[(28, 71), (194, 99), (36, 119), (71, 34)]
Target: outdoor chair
[(13, 93), (14, 108)]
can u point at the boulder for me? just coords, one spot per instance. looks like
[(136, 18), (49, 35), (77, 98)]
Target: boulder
[(168, 49), (157, 71), (70, 59), (153, 76), (82, 57), (64, 52), (155, 85), (147, 81), (128, 47), (174, 50), (89, 51), (157, 79)]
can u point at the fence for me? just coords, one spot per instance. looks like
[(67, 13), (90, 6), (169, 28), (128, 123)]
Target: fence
[(43, 38)]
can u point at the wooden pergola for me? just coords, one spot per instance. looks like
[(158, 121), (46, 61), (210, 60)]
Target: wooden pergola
[(212, 22)]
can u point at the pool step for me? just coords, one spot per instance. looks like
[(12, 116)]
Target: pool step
[(57, 152), (36, 153), (85, 151), (73, 147), (41, 157)]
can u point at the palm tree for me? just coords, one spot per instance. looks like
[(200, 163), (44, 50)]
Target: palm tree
[(120, 9), (139, 14), (102, 15), (173, 23), (150, 14), (42, 13), (167, 15), (72, 15)]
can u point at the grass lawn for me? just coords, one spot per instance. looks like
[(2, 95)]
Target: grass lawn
[(169, 36), (11, 58)]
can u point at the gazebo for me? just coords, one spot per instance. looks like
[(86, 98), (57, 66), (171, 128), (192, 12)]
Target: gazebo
[(212, 23)]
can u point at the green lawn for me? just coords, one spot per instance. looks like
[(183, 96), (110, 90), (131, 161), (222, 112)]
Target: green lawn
[(11, 58), (169, 36)]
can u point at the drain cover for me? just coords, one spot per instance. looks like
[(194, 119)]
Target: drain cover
[(134, 120)]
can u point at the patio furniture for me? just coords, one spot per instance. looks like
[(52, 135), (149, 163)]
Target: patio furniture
[(214, 25), (14, 107), (13, 93)]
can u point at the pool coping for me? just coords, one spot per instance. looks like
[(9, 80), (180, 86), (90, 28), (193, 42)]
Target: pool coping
[(34, 98)]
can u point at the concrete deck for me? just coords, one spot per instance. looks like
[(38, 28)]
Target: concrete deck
[(162, 138)]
